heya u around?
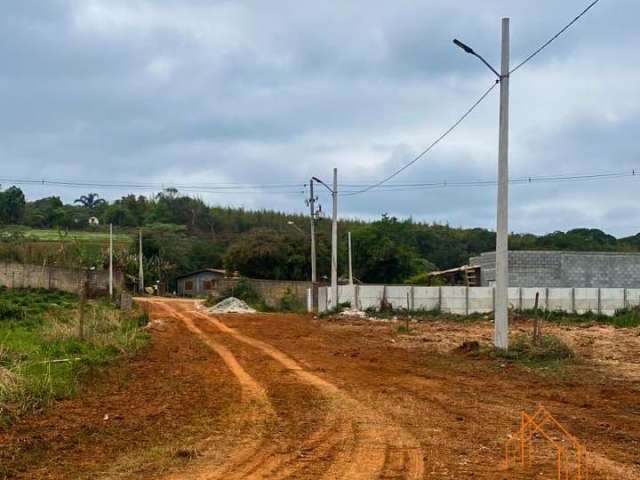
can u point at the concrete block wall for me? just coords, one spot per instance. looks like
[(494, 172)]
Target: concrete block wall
[(467, 300), (20, 275), (557, 269), (271, 290)]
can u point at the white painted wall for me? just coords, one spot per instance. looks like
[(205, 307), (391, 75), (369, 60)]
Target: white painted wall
[(466, 300)]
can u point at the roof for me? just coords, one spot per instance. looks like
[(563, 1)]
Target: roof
[(464, 268), (204, 270)]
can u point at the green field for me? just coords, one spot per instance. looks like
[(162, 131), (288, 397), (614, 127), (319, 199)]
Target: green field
[(54, 235)]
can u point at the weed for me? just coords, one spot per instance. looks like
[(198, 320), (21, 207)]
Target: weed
[(404, 330), (622, 318), (41, 356), (291, 303), (548, 351)]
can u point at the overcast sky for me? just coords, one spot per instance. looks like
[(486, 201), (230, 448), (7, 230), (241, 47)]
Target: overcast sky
[(272, 92)]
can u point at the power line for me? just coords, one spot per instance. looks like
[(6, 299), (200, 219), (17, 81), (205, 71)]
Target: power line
[(513, 181), (222, 189), (548, 42), (433, 144), (464, 116), (247, 188)]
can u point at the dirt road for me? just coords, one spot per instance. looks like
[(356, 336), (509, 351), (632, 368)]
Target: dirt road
[(346, 440), (273, 396)]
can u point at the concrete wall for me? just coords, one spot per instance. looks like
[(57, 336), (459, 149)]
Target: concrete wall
[(564, 269), (19, 275), (271, 290), (466, 300)]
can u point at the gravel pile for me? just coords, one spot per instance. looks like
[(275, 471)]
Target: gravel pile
[(231, 305)]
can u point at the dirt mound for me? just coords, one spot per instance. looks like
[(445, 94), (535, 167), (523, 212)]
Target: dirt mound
[(231, 305)]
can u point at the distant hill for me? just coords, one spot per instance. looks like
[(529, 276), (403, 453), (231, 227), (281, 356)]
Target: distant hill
[(182, 233)]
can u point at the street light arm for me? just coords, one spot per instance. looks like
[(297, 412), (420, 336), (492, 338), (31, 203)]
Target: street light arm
[(322, 183), (471, 51)]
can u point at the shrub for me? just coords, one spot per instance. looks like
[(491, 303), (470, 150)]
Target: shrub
[(291, 303), (549, 348), (244, 290)]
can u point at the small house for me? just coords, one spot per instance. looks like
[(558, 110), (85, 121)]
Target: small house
[(94, 221), (199, 283)]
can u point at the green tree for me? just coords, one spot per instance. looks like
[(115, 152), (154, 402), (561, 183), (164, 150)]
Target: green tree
[(43, 212), (119, 215), (270, 254), (90, 201), (382, 252), (12, 206)]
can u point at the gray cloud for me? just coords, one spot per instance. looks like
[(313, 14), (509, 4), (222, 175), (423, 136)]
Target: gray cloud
[(196, 91)]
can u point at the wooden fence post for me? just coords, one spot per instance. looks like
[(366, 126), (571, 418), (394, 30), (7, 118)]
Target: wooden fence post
[(83, 301)]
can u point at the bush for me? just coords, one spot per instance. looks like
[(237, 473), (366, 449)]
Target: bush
[(548, 348), (291, 303), (626, 317), (244, 290)]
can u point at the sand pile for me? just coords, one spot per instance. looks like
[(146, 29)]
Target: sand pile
[(231, 305)]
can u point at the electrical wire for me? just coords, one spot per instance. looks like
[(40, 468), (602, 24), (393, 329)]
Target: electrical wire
[(466, 114), (433, 144), (239, 188), (548, 42), (512, 181), (345, 189)]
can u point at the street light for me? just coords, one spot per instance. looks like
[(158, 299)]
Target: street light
[(471, 51), (501, 305), (334, 236), (293, 224)]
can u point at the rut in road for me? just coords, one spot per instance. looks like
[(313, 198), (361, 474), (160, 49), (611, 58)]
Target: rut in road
[(350, 442), (379, 449), (257, 415)]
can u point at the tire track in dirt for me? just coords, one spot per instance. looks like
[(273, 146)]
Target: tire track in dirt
[(260, 458), (255, 458), (371, 447)]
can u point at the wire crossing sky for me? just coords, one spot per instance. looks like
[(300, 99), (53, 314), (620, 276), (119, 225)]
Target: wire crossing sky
[(241, 103), (474, 105)]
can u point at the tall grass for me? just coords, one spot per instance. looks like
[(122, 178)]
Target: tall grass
[(42, 357)]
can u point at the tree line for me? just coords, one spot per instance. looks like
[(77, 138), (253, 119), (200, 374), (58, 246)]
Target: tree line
[(183, 233)]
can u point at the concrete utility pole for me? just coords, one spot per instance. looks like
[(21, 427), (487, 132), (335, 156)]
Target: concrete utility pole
[(502, 231), (314, 275), (140, 268), (334, 236), (334, 240), (501, 308), (350, 264), (110, 260)]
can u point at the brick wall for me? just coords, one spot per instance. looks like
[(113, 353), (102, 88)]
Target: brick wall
[(564, 269), (20, 275)]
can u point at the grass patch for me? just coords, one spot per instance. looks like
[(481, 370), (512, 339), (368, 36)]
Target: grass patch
[(548, 352), (42, 357), (622, 318), (99, 234), (422, 315), (404, 330)]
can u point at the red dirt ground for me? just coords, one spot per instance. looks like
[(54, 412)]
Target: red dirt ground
[(286, 396)]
